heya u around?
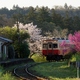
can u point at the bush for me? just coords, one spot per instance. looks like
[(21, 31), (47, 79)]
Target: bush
[(38, 58), (6, 76), (11, 52), (68, 56), (75, 57), (24, 50)]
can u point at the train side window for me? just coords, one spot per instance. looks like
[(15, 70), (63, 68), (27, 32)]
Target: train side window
[(44, 45), (55, 45)]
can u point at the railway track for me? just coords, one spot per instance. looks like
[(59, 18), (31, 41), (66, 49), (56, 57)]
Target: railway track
[(23, 73)]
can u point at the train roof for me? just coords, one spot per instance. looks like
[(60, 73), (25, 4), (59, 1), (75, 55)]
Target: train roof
[(64, 40), (58, 40)]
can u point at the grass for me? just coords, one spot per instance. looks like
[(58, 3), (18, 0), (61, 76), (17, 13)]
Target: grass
[(4, 75), (56, 71), (52, 70), (7, 76)]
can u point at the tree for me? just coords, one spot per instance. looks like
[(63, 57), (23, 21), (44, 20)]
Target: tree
[(74, 42), (33, 31), (56, 18), (58, 32), (75, 39), (30, 16), (43, 15), (11, 33), (76, 23), (35, 36), (5, 21), (66, 6), (23, 49), (47, 27), (67, 22)]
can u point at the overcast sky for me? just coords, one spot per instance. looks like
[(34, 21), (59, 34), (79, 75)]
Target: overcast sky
[(26, 3)]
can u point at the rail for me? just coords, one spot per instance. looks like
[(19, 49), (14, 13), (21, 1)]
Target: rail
[(27, 75)]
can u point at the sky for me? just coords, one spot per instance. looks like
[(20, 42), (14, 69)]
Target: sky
[(26, 3)]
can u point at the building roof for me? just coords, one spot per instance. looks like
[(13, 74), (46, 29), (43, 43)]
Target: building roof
[(5, 40)]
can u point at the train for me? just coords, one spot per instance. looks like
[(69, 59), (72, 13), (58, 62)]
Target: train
[(52, 49)]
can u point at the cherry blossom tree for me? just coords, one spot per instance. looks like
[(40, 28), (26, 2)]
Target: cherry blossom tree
[(35, 35), (33, 31), (60, 33), (66, 47), (75, 39), (74, 42)]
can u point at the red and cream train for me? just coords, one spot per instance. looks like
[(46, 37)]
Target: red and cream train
[(51, 48)]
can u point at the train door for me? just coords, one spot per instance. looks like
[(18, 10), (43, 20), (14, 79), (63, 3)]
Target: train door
[(50, 48), (55, 48), (57, 52)]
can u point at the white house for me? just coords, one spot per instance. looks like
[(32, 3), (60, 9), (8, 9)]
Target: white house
[(4, 42)]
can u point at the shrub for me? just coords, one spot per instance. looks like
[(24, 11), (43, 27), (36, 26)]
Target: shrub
[(75, 57), (6, 75), (68, 56), (38, 58), (24, 50), (11, 52)]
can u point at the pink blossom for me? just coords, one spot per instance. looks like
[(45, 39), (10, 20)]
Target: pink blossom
[(75, 39)]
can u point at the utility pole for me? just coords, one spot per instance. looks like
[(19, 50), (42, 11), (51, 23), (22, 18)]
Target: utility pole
[(78, 66), (17, 26), (18, 32)]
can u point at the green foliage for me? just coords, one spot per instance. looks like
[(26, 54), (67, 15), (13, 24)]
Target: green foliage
[(75, 57), (1, 70), (6, 75), (47, 27), (31, 16), (56, 18), (24, 50), (4, 20), (60, 16), (17, 39), (43, 15), (12, 34), (68, 56), (38, 58), (11, 52)]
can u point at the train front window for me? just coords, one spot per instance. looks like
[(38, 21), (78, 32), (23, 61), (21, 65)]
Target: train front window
[(55, 45), (50, 46), (44, 45)]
